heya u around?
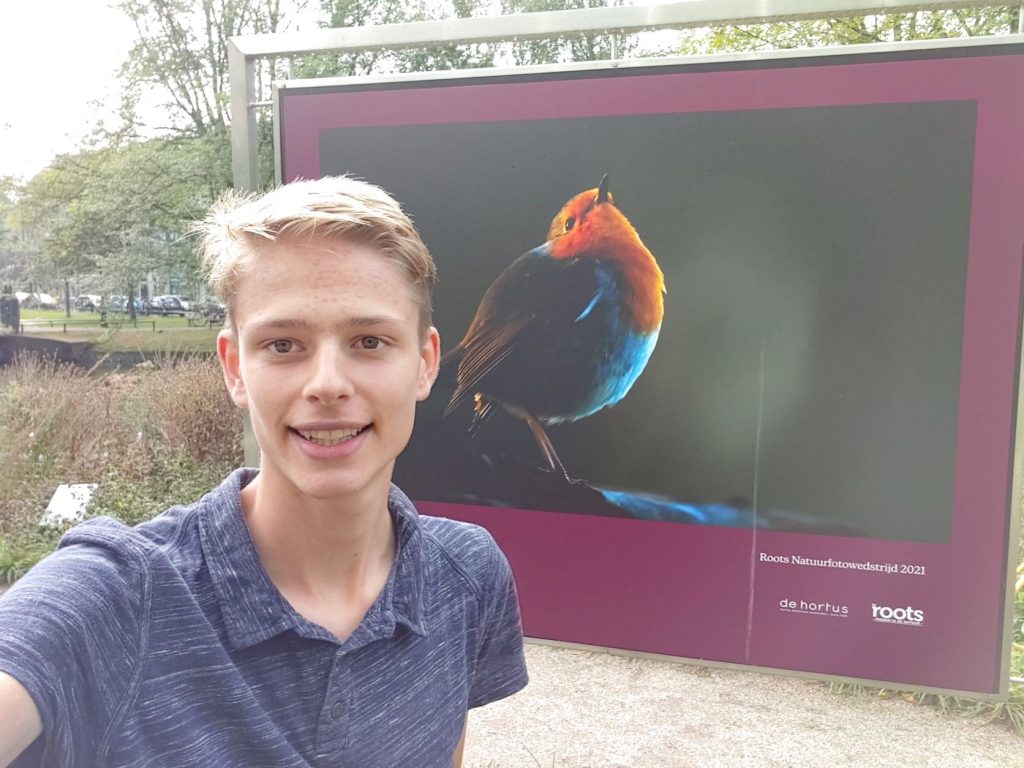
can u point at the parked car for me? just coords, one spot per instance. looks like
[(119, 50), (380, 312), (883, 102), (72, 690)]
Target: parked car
[(116, 304), (46, 301), (169, 305), (185, 302), (87, 302), (151, 306), (36, 300)]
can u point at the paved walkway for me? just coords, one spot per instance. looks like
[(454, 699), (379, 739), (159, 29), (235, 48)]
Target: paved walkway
[(597, 710)]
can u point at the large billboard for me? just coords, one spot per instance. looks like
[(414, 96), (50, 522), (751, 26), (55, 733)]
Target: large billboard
[(732, 346)]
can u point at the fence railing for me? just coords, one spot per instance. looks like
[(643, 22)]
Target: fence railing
[(197, 321)]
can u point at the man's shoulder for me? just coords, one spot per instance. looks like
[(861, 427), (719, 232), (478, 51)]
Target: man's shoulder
[(138, 544), (107, 543), (468, 549)]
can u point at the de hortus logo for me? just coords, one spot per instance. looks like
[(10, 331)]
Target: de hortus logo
[(909, 615), (814, 607)]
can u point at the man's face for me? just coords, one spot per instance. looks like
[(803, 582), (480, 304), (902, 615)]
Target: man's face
[(326, 352)]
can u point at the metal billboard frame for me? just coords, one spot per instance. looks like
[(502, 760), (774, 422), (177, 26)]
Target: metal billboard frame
[(245, 51)]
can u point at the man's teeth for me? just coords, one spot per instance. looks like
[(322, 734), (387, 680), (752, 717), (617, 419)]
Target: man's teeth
[(329, 436)]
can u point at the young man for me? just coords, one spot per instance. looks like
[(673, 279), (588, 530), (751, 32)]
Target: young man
[(298, 615)]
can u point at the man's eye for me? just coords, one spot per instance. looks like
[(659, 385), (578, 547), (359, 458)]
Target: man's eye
[(282, 346), (369, 342)]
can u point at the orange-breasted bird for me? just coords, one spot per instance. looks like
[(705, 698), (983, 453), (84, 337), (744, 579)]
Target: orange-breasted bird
[(568, 327)]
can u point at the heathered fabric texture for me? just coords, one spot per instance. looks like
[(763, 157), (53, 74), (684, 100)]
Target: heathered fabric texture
[(167, 645)]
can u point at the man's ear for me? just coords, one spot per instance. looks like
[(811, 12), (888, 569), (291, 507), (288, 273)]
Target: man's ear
[(430, 359), (227, 351)]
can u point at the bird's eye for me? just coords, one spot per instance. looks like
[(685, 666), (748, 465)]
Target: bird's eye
[(570, 223)]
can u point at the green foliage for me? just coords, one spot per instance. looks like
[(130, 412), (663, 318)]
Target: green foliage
[(357, 13), (17, 557), (133, 497), (590, 46), (122, 211), (880, 28), (181, 52)]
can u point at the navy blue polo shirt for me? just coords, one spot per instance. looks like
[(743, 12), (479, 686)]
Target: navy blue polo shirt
[(168, 645)]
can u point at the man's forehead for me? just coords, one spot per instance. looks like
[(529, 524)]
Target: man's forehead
[(312, 260)]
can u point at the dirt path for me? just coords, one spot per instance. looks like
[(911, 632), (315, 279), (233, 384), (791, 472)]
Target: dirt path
[(596, 710)]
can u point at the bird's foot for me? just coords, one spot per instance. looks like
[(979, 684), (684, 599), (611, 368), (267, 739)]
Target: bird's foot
[(560, 473)]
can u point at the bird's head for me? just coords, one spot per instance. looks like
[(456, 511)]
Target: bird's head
[(590, 226), (590, 223)]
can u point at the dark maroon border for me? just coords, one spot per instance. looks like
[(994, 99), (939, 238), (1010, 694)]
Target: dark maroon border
[(695, 592)]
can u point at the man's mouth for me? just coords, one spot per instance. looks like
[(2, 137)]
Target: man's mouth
[(330, 436)]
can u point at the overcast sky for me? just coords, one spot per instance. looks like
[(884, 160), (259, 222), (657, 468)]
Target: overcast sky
[(56, 57)]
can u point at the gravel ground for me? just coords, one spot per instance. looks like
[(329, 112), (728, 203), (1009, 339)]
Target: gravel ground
[(584, 709)]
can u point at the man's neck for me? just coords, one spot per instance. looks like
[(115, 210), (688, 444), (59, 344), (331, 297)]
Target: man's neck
[(329, 559)]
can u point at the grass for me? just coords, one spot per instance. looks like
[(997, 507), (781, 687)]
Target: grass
[(58, 317), (153, 335), (1010, 712), (176, 341)]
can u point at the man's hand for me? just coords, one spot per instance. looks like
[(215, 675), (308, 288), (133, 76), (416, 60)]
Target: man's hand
[(19, 723)]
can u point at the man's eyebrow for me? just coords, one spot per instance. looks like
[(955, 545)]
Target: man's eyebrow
[(279, 324), (363, 321), (357, 321)]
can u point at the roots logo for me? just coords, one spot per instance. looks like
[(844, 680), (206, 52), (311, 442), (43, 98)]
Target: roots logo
[(913, 617)]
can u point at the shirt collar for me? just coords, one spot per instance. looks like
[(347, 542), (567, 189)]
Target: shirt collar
[(251, 605)]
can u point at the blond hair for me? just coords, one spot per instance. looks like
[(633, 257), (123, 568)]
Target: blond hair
[(326, 208)]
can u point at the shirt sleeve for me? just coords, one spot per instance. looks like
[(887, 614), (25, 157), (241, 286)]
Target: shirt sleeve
[(69, 633), (500, 665)]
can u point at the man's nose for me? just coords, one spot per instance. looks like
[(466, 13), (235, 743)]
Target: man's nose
[(330, 377)]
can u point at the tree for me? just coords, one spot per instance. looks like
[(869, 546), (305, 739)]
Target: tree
[(123, 211), (356, 13), (10, 262), (879, 28), (181, 49), (359, 13), (587, 46)]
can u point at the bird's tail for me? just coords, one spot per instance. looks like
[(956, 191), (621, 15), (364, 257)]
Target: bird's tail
[(447, 379), (482, 408)]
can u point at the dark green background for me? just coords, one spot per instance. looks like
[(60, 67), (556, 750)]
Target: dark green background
[(815, 261)]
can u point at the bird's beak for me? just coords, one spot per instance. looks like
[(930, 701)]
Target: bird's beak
[(602, 191)]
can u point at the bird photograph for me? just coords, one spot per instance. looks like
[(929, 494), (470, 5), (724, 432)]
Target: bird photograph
[(562, 333), (683, 318), (567, 328), (560, 336)]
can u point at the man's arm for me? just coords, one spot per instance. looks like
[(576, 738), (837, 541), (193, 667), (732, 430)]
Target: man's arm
[(20, 723), (457, 757)]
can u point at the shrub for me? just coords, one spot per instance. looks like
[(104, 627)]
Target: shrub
[(161, 434)]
